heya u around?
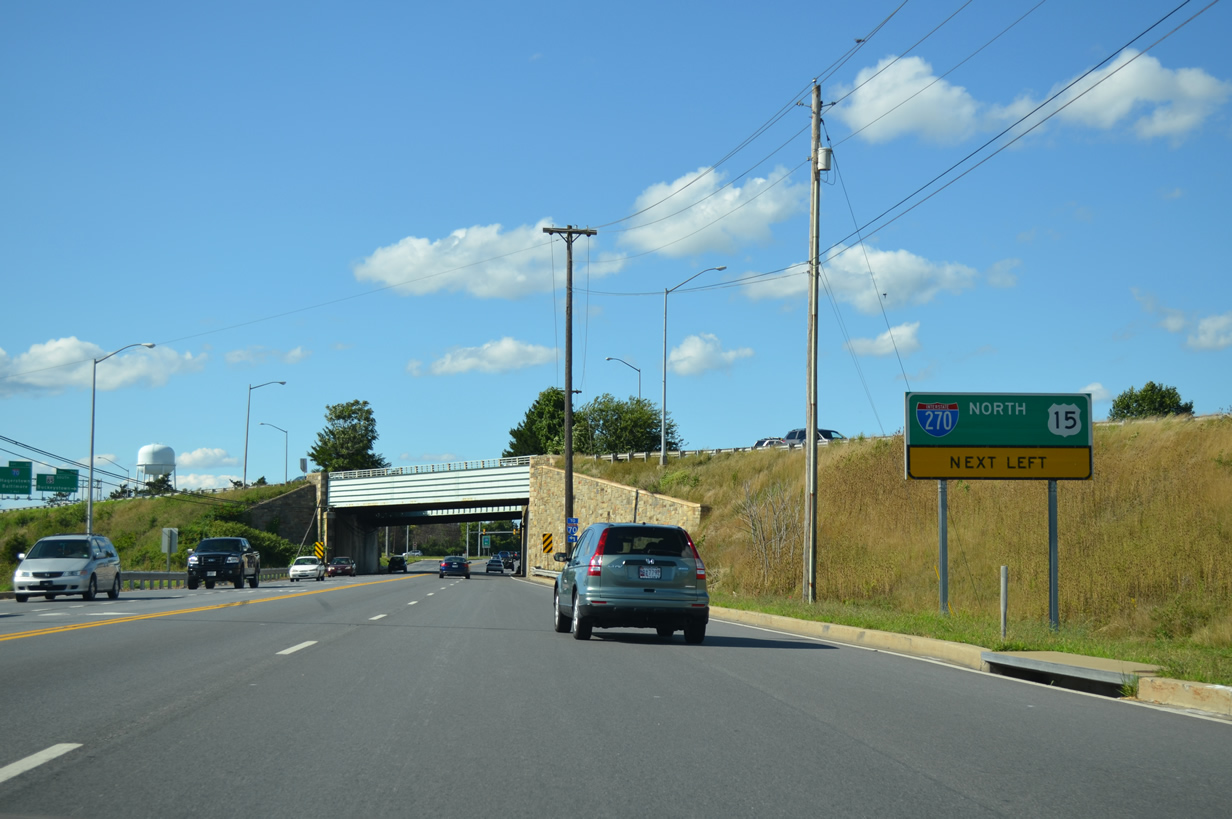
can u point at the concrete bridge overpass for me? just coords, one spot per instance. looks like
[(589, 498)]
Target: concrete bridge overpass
[(355, 506)]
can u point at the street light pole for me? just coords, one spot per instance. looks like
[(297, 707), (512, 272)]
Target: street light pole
[(663, 405), (639, 373), (284, 448), (93, 390), (247, 416), (127, 477)]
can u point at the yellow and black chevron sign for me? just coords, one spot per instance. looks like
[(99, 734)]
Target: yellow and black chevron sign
[(319, 550), (547, 542)]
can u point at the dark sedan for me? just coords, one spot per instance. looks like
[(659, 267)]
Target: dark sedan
[(340, 566), (457, 566), (397, 563)]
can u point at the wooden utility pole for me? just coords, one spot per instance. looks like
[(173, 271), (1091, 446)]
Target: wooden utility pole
[(569, 233), (810, 438)]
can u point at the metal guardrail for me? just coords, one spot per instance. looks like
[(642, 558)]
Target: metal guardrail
[(536, 571)]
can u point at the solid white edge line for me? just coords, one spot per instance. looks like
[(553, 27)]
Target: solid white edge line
[(294, 649), (34, 760)]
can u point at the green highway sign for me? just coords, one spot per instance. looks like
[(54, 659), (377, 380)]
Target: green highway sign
[(65, 480), (998, 436), (15, 478)]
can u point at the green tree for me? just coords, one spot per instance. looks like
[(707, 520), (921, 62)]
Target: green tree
[(1152, 401), (608, 424), (542, 431), (347, 440), (158, 486)]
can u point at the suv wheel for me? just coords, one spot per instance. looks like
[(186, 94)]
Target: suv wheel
[(114, 591), (21, 598), (694, 632), (209, 584), (91, 590), (193, 583), (560, 623), (580, 625), (239, 580), (255, 580)]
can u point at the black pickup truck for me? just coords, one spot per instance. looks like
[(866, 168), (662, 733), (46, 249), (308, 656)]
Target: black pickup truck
[(228, 559)]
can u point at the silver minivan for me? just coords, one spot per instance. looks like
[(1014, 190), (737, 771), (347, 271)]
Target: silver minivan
[(68, 564), (632, 575)]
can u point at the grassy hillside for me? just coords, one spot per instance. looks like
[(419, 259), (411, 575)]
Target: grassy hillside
[(135, 526), (1145, 548)]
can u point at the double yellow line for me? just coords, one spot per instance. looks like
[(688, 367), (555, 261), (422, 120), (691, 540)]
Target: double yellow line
[(40, 632)]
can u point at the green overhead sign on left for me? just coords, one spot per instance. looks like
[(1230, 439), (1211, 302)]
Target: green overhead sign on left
[(15, 478)]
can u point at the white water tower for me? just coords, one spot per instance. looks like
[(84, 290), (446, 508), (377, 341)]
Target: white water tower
[(154, 461)]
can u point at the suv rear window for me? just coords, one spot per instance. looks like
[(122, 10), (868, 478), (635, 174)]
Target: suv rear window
[(646, 540), (220, 544)]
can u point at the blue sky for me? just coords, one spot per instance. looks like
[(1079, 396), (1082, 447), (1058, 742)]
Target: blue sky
[(350, 197)]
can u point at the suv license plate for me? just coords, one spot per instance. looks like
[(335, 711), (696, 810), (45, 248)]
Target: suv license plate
[(649, 572), (210, 574)]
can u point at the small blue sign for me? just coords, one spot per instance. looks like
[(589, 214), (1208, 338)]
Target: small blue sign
[(571, 520)]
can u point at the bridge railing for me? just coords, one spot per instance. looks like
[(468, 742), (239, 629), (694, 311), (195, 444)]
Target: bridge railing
[(422, 469)]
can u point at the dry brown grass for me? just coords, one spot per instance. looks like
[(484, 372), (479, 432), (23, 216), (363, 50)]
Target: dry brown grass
[(1145, 548)]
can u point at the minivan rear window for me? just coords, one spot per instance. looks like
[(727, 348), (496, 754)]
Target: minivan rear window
[(646, 540)]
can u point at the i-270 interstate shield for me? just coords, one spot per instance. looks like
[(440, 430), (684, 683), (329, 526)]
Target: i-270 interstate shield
[(998, 436)]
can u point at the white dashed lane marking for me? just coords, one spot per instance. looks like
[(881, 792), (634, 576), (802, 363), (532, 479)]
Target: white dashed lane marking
[(34, 760), (294, 649)]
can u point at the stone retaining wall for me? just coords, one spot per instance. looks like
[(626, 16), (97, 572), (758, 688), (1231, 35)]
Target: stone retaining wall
[(594, 501)]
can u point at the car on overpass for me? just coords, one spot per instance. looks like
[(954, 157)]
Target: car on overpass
[(632, 575)]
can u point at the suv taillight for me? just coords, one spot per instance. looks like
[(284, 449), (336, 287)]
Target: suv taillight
[(701, 567), (596, 560)]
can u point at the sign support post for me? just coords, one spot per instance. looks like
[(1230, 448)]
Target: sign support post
[(943, 551), (1054, 614)]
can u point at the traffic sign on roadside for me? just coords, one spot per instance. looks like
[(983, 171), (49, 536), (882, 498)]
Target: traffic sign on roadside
[(998, 436)]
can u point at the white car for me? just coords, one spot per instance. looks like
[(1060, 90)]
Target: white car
[(307, 568)]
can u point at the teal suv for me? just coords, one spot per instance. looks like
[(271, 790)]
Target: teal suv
[(632, 575)]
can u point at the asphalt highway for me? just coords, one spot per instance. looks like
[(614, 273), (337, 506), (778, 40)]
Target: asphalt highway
[(409, 695)]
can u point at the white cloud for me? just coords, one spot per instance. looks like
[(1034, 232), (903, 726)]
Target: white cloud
[(904, 337), (700, 353), (194, 481), (884, 107), (1001, 274), (1172, 102), (205, 458), (1098, 391), (493, 357), (62, 363), (903, 277), (718, 220), (1166, 102), (414, 367), (485, 261), (1214, 333), (257, 354)]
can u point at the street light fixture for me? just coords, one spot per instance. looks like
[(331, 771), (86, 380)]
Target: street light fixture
[(284, 448), (663, 407), (247, 417), (127, 478), (93, 391), (639, 373)]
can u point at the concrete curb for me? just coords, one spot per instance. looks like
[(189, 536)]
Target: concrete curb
[(1213, 699), (959, 654)]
